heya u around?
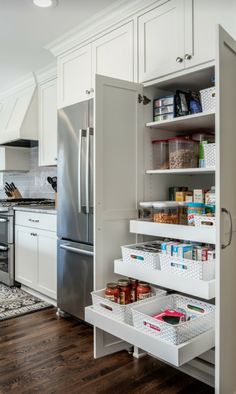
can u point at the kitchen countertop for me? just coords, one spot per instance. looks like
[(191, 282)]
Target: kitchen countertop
[(39, 209)]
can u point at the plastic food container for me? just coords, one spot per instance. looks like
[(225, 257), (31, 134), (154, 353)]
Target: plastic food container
[(183, 153), (165, 212), (183, 213), (163, 110), (163, 101), (160, 154), (146, 210)]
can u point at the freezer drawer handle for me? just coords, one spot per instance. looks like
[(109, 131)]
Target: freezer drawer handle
[(4, 248), (224, 210), (3, 220), (75, 250)]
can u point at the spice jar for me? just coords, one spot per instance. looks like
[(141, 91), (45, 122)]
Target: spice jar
[(160, 150), (143, 291), (112, 292), (124, 289), (165, 212), (183, 153), (133, 289)]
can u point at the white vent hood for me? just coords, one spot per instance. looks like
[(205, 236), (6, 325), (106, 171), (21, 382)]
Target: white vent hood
[(19, 115)]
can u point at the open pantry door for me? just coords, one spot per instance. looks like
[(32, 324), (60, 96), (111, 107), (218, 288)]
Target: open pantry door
[(118, 181), (226, 214)]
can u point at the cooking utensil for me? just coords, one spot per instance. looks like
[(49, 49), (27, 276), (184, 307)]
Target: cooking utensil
[(53, 182)]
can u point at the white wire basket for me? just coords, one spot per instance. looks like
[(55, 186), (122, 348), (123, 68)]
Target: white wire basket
[(189, 269), (175, 334), (209, 155), (120, 312), (130, 254), (208, 99), (203, 221)]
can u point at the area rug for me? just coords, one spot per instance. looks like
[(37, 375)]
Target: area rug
[(15, 302)]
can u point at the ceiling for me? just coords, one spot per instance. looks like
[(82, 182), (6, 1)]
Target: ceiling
[(25, 29)]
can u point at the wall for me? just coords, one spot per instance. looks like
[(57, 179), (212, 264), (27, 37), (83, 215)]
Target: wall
[(33, 183)]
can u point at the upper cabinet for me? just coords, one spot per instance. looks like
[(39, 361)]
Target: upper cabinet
[(74, 76), (48, 123), (161, 40), (113, 54), (178, 34), (110, 55)]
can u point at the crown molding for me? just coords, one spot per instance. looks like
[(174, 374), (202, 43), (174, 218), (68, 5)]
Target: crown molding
[(25, 82), (123, 10), (46, 73)]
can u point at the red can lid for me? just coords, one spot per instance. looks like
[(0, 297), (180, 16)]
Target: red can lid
[(159, 141)]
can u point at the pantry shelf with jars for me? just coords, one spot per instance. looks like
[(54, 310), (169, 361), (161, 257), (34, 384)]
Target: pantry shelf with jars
[(177, 227)]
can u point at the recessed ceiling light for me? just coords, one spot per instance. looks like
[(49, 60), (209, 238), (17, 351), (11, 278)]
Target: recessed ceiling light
[(45, 3)]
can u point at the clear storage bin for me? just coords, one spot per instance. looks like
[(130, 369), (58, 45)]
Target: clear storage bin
[(165, 212), (163, 101), (160, 150), (146, 210), (183, 153)]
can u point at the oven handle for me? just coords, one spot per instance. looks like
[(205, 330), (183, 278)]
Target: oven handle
[(4, 248), (4, 220)]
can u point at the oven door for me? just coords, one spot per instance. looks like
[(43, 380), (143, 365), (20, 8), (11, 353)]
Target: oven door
[(7, 264), (6, 229)]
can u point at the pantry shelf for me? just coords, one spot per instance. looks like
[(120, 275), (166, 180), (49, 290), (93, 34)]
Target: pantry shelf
[(201, 121), (193, 287), (176, 355), (177, 231), (183, 171)]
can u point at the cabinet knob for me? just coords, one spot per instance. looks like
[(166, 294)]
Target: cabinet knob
[(87, 91), (55, 158), (187, 56), (179, 59), (33, 234)]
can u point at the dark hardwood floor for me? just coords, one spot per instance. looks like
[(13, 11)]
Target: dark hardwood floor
[(40, 353)]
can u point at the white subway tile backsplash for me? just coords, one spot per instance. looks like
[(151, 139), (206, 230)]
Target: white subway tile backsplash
[(33, 183)]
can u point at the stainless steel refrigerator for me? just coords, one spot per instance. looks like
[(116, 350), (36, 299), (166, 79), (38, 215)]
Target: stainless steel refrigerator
[(75, 208)]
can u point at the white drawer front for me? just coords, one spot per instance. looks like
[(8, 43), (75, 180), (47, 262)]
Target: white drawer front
[(36, 220)]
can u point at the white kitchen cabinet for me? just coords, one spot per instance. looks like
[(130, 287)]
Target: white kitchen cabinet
[(48, 123), (161, 40), (111, 220), (36, 257), (113, 53), (74, 76)]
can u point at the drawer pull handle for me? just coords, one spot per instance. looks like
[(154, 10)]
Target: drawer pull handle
[(34, 220), (33, 234), (152, 326), (109, 308)]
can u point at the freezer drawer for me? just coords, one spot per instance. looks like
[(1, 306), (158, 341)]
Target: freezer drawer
[(176, 355), (74, 277)]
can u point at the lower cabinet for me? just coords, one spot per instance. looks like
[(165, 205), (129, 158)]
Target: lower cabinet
[(36, 259)]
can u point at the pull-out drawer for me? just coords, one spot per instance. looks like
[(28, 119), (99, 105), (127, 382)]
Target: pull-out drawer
[(42, 221), (176, 355)]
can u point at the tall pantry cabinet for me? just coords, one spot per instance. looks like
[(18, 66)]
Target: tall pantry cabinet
[(123, 143)]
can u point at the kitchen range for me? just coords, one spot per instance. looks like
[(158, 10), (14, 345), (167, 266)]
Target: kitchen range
[(7, 236)]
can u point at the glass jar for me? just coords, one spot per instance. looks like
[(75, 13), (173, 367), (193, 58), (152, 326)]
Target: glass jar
[(160, 150), (143, 291), (146, 210), (133, 289), (166, 212), (124, 289), (183, 153), (112, 292)]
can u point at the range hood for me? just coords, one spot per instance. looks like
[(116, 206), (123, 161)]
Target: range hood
[(19, 116)]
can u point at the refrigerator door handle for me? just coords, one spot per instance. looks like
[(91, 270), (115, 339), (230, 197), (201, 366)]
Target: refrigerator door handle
[(79, 170), (87, 172), (75, 250)]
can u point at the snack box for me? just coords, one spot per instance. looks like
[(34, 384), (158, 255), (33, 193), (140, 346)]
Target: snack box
[(184, 251), (198, 196), (171, 316)]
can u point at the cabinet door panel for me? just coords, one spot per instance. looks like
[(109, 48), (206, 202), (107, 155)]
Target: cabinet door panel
[(26, 258), (47, 263), (206, 16), (226, 189), (161, 40), (74, 76), (48, 123), (113, 54)]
